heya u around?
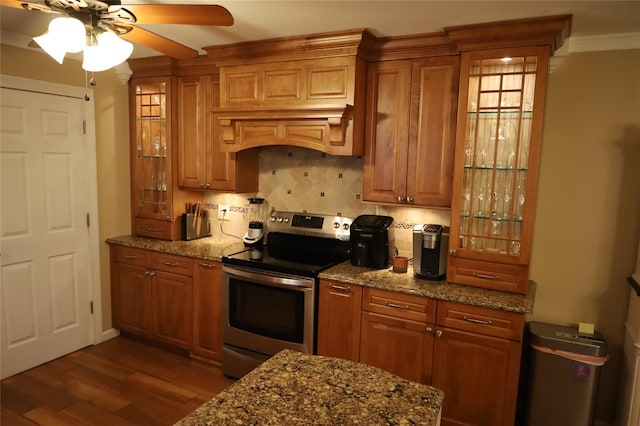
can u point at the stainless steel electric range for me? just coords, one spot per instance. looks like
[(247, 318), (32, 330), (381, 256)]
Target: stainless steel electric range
[(270, 293)]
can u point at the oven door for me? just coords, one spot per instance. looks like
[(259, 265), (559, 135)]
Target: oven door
[(266, 312)]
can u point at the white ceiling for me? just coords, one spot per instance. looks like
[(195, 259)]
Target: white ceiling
[(263, 19)]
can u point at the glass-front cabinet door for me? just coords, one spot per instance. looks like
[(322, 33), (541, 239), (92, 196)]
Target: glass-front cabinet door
[(150, 157), (496, 169)]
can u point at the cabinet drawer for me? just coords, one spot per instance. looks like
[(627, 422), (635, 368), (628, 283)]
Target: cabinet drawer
[(130, 256), (508, 325), (494, 276), (171, 263), (416, 308), (153, 228)]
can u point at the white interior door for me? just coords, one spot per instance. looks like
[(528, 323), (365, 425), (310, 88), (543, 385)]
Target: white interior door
[(45, 240)]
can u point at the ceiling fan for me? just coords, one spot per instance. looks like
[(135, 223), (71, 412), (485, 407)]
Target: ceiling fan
[(112, 18)]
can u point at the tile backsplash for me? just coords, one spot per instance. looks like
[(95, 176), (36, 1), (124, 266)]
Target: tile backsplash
[(305, 180)]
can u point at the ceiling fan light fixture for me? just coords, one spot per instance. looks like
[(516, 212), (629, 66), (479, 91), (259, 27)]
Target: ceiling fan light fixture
[(70, 31), (52, 46), (104, 51)]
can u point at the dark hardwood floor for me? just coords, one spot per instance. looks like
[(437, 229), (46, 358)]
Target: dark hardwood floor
[(117, 382)]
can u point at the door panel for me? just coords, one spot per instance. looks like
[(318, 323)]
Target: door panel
[(45, 279)]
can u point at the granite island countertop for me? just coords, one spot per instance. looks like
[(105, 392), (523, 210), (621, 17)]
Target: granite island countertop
[(292, 388), (212, 249)]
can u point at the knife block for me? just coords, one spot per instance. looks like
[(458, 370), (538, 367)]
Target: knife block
[(194, 227)]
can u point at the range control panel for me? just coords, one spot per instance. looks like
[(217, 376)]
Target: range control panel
[(317, 225)]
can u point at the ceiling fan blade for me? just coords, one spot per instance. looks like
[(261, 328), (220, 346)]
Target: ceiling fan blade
[(159, 43), (180, 14), (11, 3), (17, 4)]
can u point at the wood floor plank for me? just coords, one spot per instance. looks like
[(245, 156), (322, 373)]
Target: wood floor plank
[(95, 415), (120, 382), (163, 387), (98, 395), (51, 417), (8, 417)]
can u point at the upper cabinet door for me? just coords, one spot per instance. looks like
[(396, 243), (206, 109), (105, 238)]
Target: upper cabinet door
[(387, 131), (410, 131), (496, 169), (191, 132), (434, 99)]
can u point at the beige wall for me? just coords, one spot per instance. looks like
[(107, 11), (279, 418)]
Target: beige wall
[(588, 210), (112, 143), (587, 225)]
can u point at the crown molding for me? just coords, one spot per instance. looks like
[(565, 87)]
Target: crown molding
[(600, 43)]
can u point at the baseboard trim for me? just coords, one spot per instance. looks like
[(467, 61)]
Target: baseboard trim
[(109, 334)]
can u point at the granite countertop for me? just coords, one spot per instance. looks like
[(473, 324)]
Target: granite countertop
[(212, 248), (386, 279), (208, 248), (292, 388)]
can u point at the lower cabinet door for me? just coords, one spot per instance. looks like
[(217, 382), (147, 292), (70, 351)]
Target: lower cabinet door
[(479, 376), (207, 310), (131, 299), (339, 320), (172, 300), (400, 346)]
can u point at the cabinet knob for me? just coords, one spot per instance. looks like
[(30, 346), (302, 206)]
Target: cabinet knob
[(409, 199), (201, 185), (400, 198), (429, 330), (438, 333), (208, 185), (452, 251)]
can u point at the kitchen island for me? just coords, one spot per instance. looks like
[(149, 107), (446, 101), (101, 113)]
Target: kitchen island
[(292, 388)]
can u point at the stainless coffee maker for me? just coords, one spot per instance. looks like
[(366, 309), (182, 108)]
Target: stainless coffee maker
[(430, 249)]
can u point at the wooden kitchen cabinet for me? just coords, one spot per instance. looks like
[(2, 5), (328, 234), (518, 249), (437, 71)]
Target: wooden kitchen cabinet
[(207, 311), (496, 167), (397, 333), (156, 203), (410, 131), (476, 362), (152, 295), (201, 164), (339, 313)]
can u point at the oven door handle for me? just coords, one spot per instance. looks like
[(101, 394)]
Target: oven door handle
[(267, 278)]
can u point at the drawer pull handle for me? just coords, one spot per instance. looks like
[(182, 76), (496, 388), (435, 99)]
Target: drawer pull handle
[(130, 256), (486, 276), (340, 287), (478, 321), (207, 265), (173, 264), (152, 228), (395, 305)]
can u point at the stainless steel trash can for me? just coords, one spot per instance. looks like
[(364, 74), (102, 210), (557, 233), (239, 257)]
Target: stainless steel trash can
[(564, 368)]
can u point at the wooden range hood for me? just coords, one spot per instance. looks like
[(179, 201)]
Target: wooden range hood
[(299, 91)]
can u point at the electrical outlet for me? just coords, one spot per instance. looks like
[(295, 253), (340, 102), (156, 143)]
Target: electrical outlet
[(223, 212)]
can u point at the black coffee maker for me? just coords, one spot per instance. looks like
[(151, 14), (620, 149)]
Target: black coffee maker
[(372, 241), (430, 250)]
